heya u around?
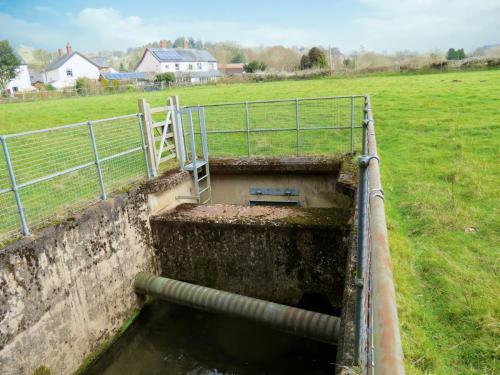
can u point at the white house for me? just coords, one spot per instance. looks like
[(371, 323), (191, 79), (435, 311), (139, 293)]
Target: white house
[(22, 80), (66, 69), (194, 65)]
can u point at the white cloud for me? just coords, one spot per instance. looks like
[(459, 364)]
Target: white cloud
[(429, 24), (46, 10)]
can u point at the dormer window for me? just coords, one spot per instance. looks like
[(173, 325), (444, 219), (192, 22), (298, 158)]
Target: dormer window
[(69, 72)]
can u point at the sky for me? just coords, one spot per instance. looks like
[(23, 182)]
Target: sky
[(375, 25)]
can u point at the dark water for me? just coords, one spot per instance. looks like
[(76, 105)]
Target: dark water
[(170, 339)]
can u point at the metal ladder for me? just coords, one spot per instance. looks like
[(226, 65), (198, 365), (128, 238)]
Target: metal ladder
[(188, 157)]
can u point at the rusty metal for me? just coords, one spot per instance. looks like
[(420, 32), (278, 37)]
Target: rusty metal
[(386, 337), (299, 322)]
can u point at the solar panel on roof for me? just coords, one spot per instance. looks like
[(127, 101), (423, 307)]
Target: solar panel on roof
[(168, 55)]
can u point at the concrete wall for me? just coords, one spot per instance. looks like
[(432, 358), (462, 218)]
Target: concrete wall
[(66, 290)]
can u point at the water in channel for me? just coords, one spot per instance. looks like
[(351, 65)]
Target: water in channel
[(171, 339)]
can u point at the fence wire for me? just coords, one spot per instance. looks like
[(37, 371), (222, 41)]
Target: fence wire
[(294, 127), (58, 171)]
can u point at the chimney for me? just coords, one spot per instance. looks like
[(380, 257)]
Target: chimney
[(163, 43), (69, 50), (60, 52), (186, 43)]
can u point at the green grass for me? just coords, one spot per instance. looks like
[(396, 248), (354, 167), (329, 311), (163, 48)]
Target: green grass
[(438, 138)]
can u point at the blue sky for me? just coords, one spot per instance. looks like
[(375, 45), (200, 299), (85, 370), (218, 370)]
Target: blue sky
[(379, 25)]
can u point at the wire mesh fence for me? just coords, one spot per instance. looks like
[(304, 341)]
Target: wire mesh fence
[(49, 174), (292, 127)]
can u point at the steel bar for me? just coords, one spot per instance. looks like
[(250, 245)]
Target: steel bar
[(388, 352), (297, 124), (279, 129), (247, 121), (13, 182), (352, 125), (97, 161), (313, 325), (277, 101), (144, 147)]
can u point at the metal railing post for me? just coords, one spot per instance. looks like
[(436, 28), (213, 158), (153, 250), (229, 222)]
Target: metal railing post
[(97, 161), (352, 126), (13, 182), (247, 116), (297, 124), (139, 119), (365, 128)]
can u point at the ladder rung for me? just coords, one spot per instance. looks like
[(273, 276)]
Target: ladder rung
[(159, 124), (166, 158), (204, 190), (168, 135), (201, 179), (168, 147), (159, 109)]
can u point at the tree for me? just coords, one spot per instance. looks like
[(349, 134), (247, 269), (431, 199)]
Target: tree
[(9, 64), (454, 54), (305, 63), (254, 66), (238, 57), (317, 58), (179, 42), (122, 68)]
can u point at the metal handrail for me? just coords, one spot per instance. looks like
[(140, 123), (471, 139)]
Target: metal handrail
[(377, 316)]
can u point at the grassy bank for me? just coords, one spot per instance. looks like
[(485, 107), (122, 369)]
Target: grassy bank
[(438, 139)]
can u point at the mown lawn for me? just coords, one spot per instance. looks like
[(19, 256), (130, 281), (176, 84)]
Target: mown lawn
[(438, 137)]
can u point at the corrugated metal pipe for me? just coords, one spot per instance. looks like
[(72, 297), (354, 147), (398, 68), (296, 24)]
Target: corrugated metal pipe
[(309, 324)]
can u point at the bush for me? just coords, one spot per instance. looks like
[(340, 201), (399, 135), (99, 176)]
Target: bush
[(254, 66), (165, 77), (80, 86)]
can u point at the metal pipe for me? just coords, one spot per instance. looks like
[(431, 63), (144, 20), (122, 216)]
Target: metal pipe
[(97, 161), (297, 124), (143, 143), (247, 120), (388, 352), (13, 182), (313, 325)]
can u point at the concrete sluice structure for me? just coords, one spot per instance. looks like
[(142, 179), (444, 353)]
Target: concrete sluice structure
[(280, 230)]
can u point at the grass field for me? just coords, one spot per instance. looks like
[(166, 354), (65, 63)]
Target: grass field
[(438, 137)]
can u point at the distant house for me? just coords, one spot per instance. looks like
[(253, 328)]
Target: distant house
[(36, 77), (22, 80), (103, 64), (67, 68), (233, 69), (194, 65)]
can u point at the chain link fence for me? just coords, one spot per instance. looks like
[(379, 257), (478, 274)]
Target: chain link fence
[(49, 174)]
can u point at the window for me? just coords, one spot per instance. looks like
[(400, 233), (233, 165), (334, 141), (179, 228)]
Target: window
[(211, 66), (167, 66), (69, 72), (177, 67), (190, 67), (200, 67), (15, 89)]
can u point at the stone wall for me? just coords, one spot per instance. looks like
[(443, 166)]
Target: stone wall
[(69, 288)]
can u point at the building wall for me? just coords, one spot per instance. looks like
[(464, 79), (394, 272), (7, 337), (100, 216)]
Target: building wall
[(151, 65), (22, 80), (80, 67)]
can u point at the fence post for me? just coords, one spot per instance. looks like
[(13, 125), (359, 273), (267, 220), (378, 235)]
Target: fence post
[(247, 117), (352, 125), (364, 146), (149, 138), (97, 161), (297, 124), (139, 119), (13, 182)]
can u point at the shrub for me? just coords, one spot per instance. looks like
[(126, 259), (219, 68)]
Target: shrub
[(165, 77), (254, 66)]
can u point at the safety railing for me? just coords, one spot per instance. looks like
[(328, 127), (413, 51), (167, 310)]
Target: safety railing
[(285, 127), (49, 174), (378, 339)]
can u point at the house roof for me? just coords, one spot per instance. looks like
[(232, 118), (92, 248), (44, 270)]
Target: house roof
[(124, 76), (62, 59), (181, 55), (102, 62)]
